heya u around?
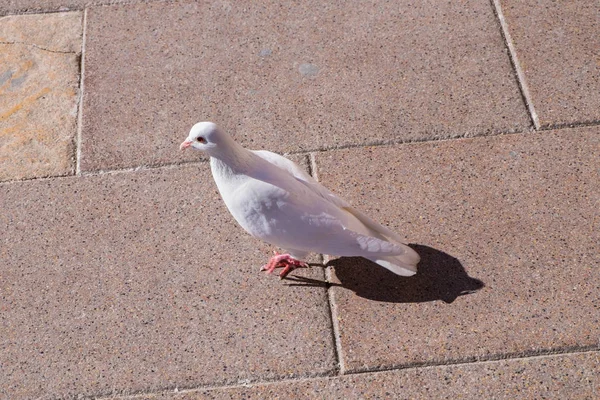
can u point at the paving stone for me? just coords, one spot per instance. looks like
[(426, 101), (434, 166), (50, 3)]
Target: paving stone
[(557, 45), (136, 281), (39, 94), (572, 376), (516, 213), (292, 76)]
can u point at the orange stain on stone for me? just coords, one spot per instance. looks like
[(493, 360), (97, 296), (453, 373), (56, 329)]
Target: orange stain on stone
[(26, 102), (38, 94)]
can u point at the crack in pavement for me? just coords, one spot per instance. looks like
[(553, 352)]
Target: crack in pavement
[(39, 47)]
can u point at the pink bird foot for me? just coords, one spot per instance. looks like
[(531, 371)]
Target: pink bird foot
[(285, 261)]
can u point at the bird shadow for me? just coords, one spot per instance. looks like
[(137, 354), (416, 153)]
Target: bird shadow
[(440, 277)]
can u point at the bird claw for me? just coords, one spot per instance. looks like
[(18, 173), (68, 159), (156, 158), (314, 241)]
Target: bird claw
[(285, 261)]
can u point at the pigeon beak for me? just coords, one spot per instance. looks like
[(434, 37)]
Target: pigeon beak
[(185, 145)]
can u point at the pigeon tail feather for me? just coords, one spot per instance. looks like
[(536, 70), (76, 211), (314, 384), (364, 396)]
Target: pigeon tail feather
[(396, 264)]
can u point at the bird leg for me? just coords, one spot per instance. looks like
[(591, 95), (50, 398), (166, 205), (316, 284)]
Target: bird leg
[(285, 261)]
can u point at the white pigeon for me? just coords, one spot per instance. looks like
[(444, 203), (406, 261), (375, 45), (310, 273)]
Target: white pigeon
[(273, 199)]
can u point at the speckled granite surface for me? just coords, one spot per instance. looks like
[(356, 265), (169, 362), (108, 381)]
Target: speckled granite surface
[(514, 215), (557, 44), (292, 77), (123, 276)]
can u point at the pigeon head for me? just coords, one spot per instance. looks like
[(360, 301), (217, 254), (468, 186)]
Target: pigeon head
[(205, 136)]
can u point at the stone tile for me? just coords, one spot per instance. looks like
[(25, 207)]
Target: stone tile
[(516, 213), (557, 44), (39, 94), (135, 281), (292, 77), (572, 376)]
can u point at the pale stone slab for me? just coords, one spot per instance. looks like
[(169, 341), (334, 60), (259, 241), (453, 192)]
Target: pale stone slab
[(39, 94)]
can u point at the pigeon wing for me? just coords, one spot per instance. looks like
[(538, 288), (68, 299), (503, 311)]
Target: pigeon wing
[(369, 226), (323, 228), (297, 172)]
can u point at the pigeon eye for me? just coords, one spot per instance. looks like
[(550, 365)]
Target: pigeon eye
[(201, 139)]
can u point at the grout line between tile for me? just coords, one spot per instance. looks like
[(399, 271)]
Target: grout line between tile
[(11, 13), (323, 149), (381, 143), (129, 2), (492, 358), (202, 161), (312, 165), (398, 141), (81, 94), (145, 167), (38, 178), (176, 389), (569, 125), (107, 172), (335, 323), (333, 315), (516, 64), (81, 7), (448, 363)]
